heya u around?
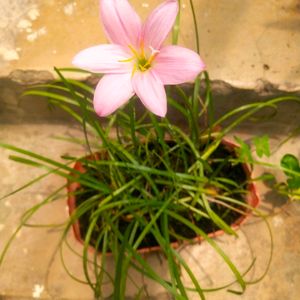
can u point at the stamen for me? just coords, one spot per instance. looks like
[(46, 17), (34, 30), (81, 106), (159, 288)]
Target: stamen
[(133, 70), (126, 60), (143, 67), (133, 51), (143, 50), (150, 60)]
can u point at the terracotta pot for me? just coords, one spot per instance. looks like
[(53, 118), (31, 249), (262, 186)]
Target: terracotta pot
[(252, 200)]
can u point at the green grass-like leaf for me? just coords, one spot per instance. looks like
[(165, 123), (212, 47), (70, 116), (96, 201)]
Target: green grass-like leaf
[(151, 174)]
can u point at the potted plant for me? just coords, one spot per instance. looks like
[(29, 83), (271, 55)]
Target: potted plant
[(147, 183)]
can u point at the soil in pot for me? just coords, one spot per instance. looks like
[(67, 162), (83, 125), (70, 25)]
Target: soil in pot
[(220, 166)]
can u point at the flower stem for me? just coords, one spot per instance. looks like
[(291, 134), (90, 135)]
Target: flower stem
[(195, 26), (176, 27), (132, 116)]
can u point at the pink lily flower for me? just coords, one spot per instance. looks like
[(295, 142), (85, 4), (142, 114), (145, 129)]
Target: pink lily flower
[(136, 62)]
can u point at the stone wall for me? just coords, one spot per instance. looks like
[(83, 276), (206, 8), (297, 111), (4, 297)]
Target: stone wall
[(241, 41)]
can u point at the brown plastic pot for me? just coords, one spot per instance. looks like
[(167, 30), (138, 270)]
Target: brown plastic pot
[(252, 200)]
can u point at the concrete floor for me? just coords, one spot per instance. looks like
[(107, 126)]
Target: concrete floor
[(32, 268)]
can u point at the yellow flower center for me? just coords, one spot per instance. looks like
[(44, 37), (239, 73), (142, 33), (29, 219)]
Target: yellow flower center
[(142, 62)]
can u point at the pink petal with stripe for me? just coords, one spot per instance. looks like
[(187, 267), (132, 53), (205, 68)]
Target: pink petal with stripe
[(107, 58), (112, 92), (159, 24), (149, 88), (176, 65), (121, 23)]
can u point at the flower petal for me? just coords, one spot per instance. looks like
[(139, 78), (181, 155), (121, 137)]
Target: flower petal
[(150, 90), (175, 65), (159, 24), (121, 23), (112, 92), (104, 59)]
